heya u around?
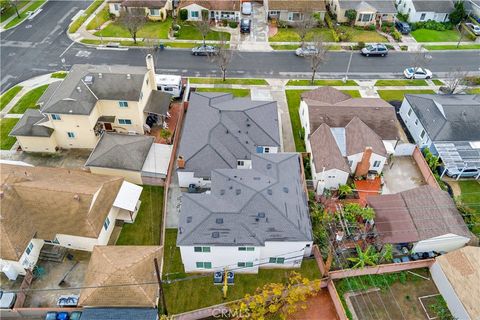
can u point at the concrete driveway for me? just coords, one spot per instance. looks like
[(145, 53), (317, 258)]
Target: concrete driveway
[(257, 39)]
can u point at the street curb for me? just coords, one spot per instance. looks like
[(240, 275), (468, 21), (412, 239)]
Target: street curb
[(26, 18)]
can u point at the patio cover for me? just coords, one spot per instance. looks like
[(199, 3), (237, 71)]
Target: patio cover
[(128, 196), (158, 159), (158, 102), (459, 154)]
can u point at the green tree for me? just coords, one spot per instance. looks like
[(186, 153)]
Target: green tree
[(458, 14), (165, 134), (369, 257), (351, 15), (387, 253), (345, 190), (441, 310)]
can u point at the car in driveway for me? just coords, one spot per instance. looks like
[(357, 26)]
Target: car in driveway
[(204, 50), (402, 27), (245, 25), (376, 49), (474, 27), (306, 51), (419, 73), (7, 299), (455, 173), (247, 8)]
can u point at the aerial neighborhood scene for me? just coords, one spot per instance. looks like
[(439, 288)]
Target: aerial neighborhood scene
[(240, 159)]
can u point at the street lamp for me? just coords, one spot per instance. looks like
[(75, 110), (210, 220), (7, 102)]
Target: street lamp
[(345, 79)]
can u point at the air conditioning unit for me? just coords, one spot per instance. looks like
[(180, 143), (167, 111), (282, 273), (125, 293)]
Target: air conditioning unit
[(132, 133)]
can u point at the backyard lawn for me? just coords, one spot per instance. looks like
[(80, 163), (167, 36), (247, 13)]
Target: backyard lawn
[(8, 96), (229, 81), (29, 100), (405, 82), (185, 295), (471, 195), (305, 82), (426, 35), (390, 95), (239, 93), (290, 35), (6, 125), (158, 30), (145, 231)]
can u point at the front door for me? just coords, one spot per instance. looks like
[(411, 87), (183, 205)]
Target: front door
[(108, 126)]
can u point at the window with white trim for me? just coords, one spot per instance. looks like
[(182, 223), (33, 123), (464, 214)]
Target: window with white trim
[(203, 265), (245, 264), (240, 163), (29, 248), (201, 249), (124, 121), (155, 12), (422, 134), (71, 134), (106, 223), (376, 164), (56, 116), (194, 14), (277, 260), (123, 104), (422, 17), (409, 112), (246, 248)]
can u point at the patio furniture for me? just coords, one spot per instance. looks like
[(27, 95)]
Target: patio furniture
[(67, 300), (416, 256), (51, 315), (396, 260), (75, 315), (405, 259)]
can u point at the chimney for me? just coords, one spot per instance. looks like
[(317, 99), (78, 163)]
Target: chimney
[(364, 165), (151, 71), (180, 162)]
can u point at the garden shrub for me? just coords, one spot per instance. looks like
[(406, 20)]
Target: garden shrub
[(233, 24), (335, 36), (397, 36), (432, 25), (371, 27), (183, 14), (361, 45), (473, 81)]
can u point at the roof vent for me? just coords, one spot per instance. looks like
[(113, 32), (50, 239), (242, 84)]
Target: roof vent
[(257, 219), (256, 178), (216, 234), (100, 75), (129, 76), (285, 189), (248, 124), (239, 131), (189, 219), (261, 214), (219, 220), (226, 131), (230, 188), (269, 166), (246, 142), (88, 79), (79, 89), (270, 192), (222, 192), (238, 191)]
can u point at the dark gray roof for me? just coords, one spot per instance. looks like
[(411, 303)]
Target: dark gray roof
[(448, 117), (249, 206), (119, 313), (28, 125), (382, 6), (120, 151), (75, 95), (219, 130), (158, 102), (441, 6)]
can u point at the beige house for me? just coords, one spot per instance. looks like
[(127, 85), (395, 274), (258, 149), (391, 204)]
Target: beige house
[(135, 157), (58, 207), (294, 11), (155, 10), (368, 11), (91, 100), (121, 265)]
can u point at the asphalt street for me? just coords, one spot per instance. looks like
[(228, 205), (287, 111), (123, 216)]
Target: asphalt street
[(37, 47)]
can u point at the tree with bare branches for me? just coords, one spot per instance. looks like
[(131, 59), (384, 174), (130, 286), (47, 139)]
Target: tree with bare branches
[(304, 26), (455, 82), (133, 19), (203, 26), (318, 56), (224, 56)]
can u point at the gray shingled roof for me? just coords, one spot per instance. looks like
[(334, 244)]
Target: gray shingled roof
[(28, 125), (249, 206), (120, 151), (441, 6), (325, 150), (72, 96), (219, 130), (448, 117), (382, 6), (158, 102)]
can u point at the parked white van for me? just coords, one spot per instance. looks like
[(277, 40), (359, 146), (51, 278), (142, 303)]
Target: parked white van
[(170, 84)]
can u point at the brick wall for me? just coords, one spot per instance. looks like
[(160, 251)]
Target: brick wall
[(424, 168)]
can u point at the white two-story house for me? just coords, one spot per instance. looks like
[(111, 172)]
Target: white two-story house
[(424, 10)]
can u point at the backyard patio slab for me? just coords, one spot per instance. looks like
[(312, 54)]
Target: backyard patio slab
[(401, 174)]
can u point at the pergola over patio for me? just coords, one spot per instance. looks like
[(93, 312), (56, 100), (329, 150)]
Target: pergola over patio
[(459, 156)]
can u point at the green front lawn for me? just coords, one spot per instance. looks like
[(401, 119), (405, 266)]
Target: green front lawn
[(158, 30), (228, 81), (390, 95), (8, 96), (186, 295), (101, 17), (239, 93), (426, 35), (146, 230), (6, 125), (32, 7), (470, 197), (290, 47), (81, 20), (405, 82), (474, 91), (361, 35), (29, 100), (454, 47), (11, 10), (305, 82), (353, 93), (290, 35), (130, 43), (438, 82)]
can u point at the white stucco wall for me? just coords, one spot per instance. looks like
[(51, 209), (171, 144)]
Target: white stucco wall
[(187, 178), (448, 293), (114, 8), (329, 179), (226, 256), (447, 243), (356, 158), (414, 129), (26, 261), (304, 120), (407, 7)]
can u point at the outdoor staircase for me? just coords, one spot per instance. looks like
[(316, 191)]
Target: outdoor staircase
[(52, 253)]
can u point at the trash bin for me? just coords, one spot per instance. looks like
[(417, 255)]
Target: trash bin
[(161, 46)]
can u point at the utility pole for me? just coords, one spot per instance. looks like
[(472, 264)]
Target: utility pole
[(225, 283), (160, 286), (348, 66)]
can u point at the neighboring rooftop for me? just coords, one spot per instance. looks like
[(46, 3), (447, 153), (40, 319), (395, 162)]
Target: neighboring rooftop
[(120, 151), (448, 117), (305, 5), (33, 197), (151, 4), (220, 129), (382, 6), (417, 214), (249, 206), (337, 109), (158, 102), (462, 269), (233, 5), (441, 6), (111, 267), (86, 84), (325, 151), (30, 125)]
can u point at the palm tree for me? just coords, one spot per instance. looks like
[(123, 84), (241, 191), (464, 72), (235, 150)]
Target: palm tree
[(345, 190), (369, 257)]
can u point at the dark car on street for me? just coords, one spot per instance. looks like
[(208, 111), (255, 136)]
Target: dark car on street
[(376, 49), (403, 27), (204, 50), (245, 25)]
